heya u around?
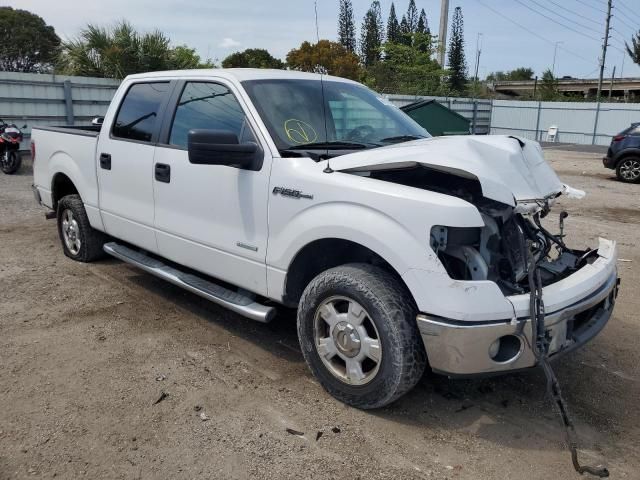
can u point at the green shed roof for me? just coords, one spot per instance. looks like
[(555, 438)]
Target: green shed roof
[(437, 119)]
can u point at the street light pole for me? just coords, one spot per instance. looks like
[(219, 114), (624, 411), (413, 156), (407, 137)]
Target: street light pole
[(555, 54)]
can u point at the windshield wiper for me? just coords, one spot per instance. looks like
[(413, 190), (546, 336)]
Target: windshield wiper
[(334, 145), (402, 138)]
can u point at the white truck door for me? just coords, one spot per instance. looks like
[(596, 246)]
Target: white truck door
[(125, 164), (211, 218)]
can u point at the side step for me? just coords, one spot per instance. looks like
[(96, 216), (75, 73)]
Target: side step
[(234, 301)]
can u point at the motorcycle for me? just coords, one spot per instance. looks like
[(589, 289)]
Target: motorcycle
[(10, 138)]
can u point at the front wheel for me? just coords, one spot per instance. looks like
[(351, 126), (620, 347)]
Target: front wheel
[(628, 170), (11, 162), (358, 334)]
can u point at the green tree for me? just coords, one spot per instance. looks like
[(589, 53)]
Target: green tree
[(27, 43), (120, 51), (423, 23), (252, 58), (393, 27), (412, 17), (634, 49), (346, 26), (407, 69), (371, 35), (457, 60), (183, 58), (519, 74), (327, 56), (549, 86)]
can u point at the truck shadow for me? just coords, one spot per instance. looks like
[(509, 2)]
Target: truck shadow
[(509, 410)]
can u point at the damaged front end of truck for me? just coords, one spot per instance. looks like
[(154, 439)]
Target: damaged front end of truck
[(514, 190)]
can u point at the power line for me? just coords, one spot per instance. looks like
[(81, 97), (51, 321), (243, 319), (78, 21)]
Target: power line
[(575, 13), (581, 2), (564, 17), (531, 32), (551, 19), (624, 22), (630, 11)]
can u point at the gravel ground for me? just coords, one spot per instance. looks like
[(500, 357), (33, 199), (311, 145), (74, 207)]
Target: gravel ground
[(86, 351)]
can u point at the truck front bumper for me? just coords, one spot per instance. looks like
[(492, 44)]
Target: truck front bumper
[(463, 348)]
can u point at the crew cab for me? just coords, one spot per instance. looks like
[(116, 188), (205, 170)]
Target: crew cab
[(264, 189)]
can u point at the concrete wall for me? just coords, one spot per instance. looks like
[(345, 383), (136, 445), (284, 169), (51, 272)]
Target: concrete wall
[(583, 123), (35, 99)]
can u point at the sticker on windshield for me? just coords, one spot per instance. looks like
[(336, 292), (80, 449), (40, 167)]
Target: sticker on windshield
[(300, 132)]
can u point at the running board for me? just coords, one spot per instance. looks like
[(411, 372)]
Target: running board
[(241, 303)]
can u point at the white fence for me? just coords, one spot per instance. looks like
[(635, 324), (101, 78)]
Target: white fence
[(55, 100), (583, 123)]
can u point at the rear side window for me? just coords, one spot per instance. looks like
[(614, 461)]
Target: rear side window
[(138, 114), (208, 106)]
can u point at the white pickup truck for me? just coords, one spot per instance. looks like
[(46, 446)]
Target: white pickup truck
[(257, 188)]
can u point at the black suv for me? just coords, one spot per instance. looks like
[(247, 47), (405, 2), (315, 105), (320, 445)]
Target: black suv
[(623, 155)]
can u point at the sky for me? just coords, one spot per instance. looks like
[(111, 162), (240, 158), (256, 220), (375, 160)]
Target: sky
[(217, 28)]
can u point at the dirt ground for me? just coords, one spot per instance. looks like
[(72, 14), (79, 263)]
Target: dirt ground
[(87, 350)]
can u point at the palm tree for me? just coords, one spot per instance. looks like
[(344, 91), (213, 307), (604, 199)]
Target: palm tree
[(120, 51), (634, 52)]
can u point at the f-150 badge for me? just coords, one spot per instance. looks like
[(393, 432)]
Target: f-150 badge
[(289, 192)]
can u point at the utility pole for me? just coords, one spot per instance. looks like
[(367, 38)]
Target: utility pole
[(444, 25), (478, 53), (604, 49), (613, 75), (555, 54)]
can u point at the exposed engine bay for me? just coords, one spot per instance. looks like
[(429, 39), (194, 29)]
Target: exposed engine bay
[(500, 250)]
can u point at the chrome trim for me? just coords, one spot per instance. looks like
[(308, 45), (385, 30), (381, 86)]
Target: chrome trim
[(252, 310), (460, 348)]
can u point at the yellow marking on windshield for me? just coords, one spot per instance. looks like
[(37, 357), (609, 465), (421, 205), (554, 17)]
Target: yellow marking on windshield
[(300, 132)]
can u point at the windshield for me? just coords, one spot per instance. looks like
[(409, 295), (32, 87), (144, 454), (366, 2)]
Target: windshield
[(355, 116)]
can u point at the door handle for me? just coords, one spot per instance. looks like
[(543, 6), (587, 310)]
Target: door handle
[(105, 161), (163, 172)]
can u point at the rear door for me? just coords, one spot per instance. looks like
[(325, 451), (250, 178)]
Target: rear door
[(125, 163), (212, 218)]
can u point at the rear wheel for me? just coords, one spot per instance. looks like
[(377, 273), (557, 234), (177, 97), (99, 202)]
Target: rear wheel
[(358, 333), (11, 162), (80, 241), (628, 170)]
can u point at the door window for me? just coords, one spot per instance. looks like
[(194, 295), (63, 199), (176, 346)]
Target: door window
[(138, 114), (209, 106)]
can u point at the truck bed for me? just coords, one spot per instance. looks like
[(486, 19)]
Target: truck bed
[(68, 151)]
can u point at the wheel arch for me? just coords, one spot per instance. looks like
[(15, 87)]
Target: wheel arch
[(61, 186), (322, 254)]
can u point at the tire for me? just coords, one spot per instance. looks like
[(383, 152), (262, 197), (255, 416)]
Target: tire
[(81, 242), (389, 314), (628, 170), (12, 163)]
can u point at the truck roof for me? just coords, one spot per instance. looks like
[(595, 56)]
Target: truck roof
[(240, 74)]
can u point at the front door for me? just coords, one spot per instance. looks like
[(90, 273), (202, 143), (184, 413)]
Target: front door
[(211, 218), (125, 164)]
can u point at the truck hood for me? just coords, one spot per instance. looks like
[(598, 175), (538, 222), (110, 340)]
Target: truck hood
[(510, 170)]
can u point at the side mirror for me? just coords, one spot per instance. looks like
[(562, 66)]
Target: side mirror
[(221, 147), (24, 126), (97, 121)]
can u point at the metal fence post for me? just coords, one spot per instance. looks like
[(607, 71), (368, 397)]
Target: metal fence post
[(537, 137), (68, 102), (595, 124), (475, 116)]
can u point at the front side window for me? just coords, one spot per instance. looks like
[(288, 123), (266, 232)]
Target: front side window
[(138, 115), (209, 106)]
